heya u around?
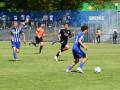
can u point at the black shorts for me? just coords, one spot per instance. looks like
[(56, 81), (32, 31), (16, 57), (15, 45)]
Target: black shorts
[(38, 40), (63, 44)]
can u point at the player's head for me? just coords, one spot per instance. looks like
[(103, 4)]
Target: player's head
[(84, 29), (15, 24), (42, 25), (66, 26)]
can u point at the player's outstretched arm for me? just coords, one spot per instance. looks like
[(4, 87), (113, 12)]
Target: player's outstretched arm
[(58, 36)]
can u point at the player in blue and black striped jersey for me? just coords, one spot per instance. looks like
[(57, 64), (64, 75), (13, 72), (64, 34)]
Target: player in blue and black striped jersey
[(77, 50), (16, 32)]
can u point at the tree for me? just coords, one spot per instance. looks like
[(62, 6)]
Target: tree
[(53, 5)]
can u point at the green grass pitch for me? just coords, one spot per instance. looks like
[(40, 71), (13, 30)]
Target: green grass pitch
[(41, 72)]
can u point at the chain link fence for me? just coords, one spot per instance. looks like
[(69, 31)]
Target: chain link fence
[(51, 35), (107, 21)]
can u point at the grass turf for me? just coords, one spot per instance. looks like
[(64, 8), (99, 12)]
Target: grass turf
[(41, 72)]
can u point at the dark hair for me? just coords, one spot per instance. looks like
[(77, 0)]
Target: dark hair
[(66, 24), (83, 28), (39, 24)]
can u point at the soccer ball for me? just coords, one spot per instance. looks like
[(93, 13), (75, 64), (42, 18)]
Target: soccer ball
[(97, 69)]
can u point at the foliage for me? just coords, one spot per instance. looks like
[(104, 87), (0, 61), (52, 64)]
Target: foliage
[(52, 5)]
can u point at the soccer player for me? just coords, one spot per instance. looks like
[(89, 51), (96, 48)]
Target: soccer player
[(16, 32), (78, 52), (63, 36), (39, 34)]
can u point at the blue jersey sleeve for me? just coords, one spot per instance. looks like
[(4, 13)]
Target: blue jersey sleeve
[(80, 36)]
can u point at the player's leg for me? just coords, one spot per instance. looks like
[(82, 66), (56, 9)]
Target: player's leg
[(17, 50), (18, 47), (69, 68), (98, 39), (41, 45), (66, 47), (14, 50), (61, 50), (84, 60), (33, 43), (57, 55), (36, 41), (115, 40), (76, 60), (14, 53)]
